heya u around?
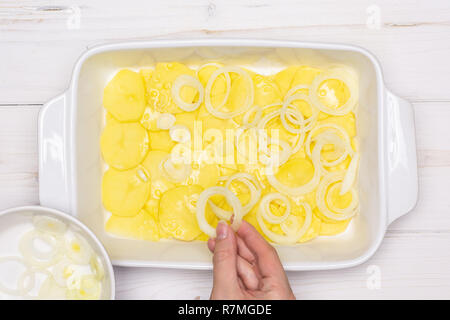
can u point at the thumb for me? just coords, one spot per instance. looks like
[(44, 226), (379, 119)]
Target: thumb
[(225, 262)]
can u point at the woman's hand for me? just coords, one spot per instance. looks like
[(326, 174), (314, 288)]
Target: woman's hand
[(246, 266)]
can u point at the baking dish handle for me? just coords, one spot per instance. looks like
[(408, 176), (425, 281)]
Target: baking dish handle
[(54, 166), (401, 156)]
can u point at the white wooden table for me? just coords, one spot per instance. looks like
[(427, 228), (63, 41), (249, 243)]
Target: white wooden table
[(40, 41)]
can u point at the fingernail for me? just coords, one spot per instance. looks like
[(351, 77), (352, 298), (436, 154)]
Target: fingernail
[(221, 230)]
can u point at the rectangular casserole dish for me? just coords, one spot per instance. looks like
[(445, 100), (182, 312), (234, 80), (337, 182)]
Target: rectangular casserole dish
[(70, 163)]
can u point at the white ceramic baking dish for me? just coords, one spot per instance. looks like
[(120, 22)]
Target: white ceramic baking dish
[(70, 163)]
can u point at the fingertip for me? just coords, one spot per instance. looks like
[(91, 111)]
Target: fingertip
[(223, 230), (211, 244), (224, 258), (267, 257), (248, 232), (248, 275), (244, 251), (245, 228)]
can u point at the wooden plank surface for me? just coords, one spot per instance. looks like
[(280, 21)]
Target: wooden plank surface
[(41, 40)]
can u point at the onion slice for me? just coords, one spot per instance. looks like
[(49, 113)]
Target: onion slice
[(322, 190), (303, 189), (18, 290), (289, 112), (62, 271), (267, 214), (337, 128), (274, 161), (288, 238), (97, 267), (350, 175), (294, 90), (201, 207), (165, 121), (180, 133), (329, 137), (59, 253), (247, 151), (78, 250), (246, 118), (50, 290), (172, 173), (49, 224), (328, 200), (33, 255), (248, 102), (209, 64), (178, 84), (265, 120), (336, 74), (255, 193)]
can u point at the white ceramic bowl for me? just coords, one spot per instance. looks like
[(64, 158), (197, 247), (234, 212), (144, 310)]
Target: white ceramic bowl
[(70, 163), (12, 221)]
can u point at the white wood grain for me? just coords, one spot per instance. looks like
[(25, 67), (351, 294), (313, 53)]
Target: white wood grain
[(410, 42), (411, 265), (37, 53), (18, 156), (433, 151)]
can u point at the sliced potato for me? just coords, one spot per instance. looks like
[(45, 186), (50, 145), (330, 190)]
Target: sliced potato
[(124, 193), (160, 95), (124, 96), (142, 226), (177, 212), (124, 145), (159, 182)]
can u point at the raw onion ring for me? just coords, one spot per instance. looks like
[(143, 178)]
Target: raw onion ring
[(293, 115), (255, 193), (33, 255), (350, 175), (201, 207), (213, 64), (165, 121), (50, 290), (59, 272), (293, 219), (334, 126), (87, 288), (49, 224), (227, 93), (344, 214), (19, 290), (247, 115), (293, 90), (97, 267), (289, 238), (178, 84), (335, 75), (269, 160), (267, 214), (228, 115), (328, 137), (303, 189), (37, 260), (180, 133), (328, 200), (167, 167), (78, 249), (262, 124)]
